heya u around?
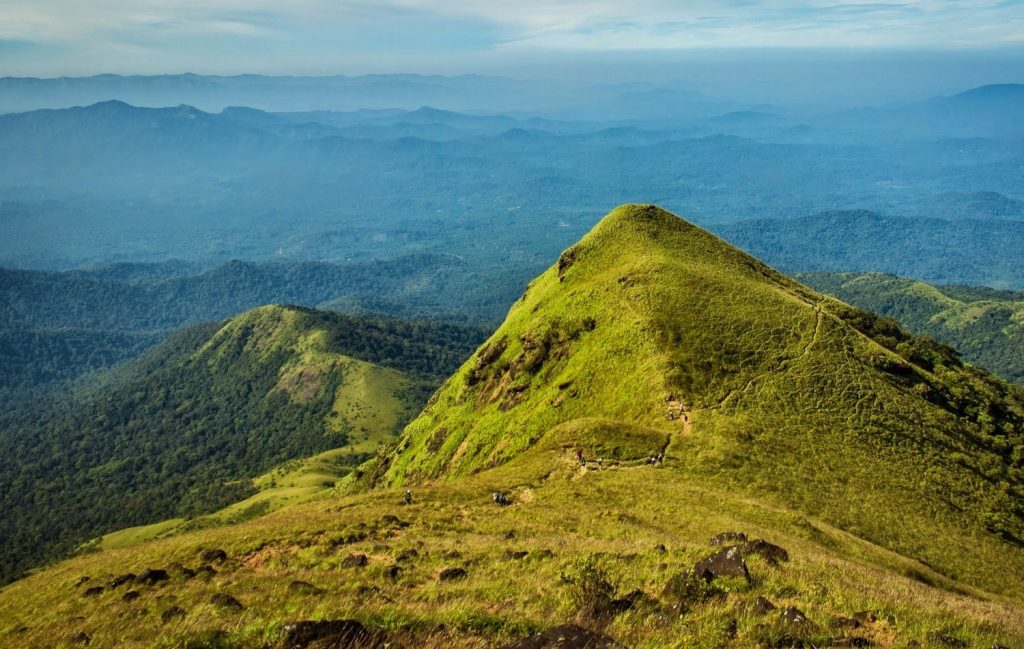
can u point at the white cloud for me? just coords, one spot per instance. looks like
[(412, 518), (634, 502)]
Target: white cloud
[(180, 29)]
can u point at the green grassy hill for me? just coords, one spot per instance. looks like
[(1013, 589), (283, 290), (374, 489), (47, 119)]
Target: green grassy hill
[(760, 384), (182, 431), (890, 473), (983, 324)]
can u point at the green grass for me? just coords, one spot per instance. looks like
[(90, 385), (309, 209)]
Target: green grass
[(985, 325), (617, 516), (785, 400), (890, 472)]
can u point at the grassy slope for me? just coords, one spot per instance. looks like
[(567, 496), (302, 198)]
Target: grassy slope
[(986, 326), (618, 514), (787, 401), (870, 456)]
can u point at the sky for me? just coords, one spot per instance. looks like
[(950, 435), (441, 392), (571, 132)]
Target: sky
[(79, 37)]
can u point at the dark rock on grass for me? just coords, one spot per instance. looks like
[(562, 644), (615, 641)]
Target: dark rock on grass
[(855, 641), (390, 520), (304, 588), (946, 639), (762, 606), (173, 613), (865, 617), (329, 633), (452, 554), (206, 571), (793, 617), (407, 555), (727, 562), (452, 574), (515, 555), (509, 535), (225, 601), (771, 553), (566, 636), (130, 596), (629, 602), (392, 573), (122, 580), (81, 638), (844, 623), (728, 538), (355, 561), (214, 556), (660, 548), (544, 554), (153, 576), (94, 591), (82, 580)]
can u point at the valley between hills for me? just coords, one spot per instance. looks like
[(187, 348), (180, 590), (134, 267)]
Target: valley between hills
[(691, 449)]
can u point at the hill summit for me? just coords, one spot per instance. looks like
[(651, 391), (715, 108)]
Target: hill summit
[(745, 380), (666, 444)]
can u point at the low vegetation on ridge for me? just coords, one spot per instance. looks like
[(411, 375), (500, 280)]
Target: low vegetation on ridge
[(666, 444)]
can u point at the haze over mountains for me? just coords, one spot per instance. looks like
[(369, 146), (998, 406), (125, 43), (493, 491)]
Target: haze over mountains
[(501, 190), (199, 283)]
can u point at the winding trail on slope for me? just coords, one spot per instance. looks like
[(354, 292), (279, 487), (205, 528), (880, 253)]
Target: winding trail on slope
[(784, 364)]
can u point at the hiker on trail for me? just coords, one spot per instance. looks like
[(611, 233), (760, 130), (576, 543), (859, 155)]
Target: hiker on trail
[(499, 498), (579, 456), (661, 457), (407, 498), (600, 463), (652, 460)]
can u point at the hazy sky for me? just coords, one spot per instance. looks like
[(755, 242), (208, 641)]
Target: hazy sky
[(72, 37)]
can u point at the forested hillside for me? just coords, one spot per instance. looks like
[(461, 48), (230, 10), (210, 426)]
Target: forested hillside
[(985, 325), (180, 430)]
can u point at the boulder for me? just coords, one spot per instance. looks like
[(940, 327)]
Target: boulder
[(407, 555), (392, 573), (727, 562), (225, 601), (122, 579), (304, 588), (452, 574), (355, 561), (729, 538), (153, 576), (214, 556), (515, 555), (173, 613), (130, 596), (844, 623), (81, 638), (762, 606), (794, 617), (93, 591), (332, 633), (771, 553)]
